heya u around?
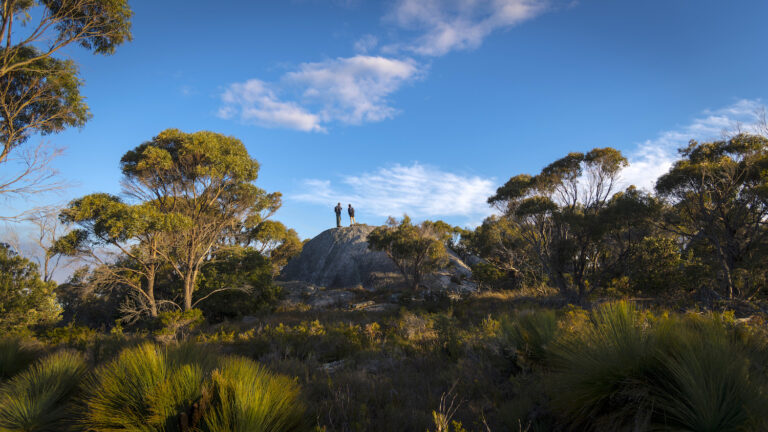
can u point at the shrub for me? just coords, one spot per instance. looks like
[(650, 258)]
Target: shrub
[(600, 373), (15, 356), (39, 399), (25, 299), (151, 388), (119, 394), (704, 382), (531, 333), (624, 372), (177, 325), (247, 397)]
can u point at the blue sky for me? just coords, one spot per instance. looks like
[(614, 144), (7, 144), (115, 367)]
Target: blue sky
[(419, 106)]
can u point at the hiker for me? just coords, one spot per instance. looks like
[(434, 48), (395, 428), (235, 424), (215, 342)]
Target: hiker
[(337, 209), (351, 211)]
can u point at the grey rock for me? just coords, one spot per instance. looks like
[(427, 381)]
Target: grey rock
[(340, 258), (330, 298)]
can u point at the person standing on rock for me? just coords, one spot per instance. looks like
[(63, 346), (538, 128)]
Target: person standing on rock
[(337, 209), (351, 211)]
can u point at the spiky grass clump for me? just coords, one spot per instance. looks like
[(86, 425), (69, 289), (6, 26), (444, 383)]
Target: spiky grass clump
[(599, 381), (247, 397), (152, 388), (40, 398), (15, 356), (704, 382), (623, 372), (531, 333), (145, 389)]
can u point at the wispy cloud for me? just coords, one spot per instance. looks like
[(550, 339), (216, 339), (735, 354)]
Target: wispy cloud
[(255, 102), (654, 157), (448, 25), (350, 90), (357, 89), (366, 43), (420, 191)]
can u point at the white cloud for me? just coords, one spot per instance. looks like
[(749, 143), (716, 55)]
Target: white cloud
[(257, 103), (418, 190), (654, 157), (356, 90), (448, 25), (350, 90)]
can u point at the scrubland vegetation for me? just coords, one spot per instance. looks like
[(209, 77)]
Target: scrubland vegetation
[(599, 307)]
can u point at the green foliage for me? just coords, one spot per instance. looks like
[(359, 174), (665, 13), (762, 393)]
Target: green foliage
[(658, 267), (247, 397), (559, 218), (41, 93), (717, 192), (25, 300), (149, 388), (415, 249), (486, 275), (245, 275), (177, 324), (205, 179), (40, 398), (531, 334), (43, 97), (625, 371), (117, 398), (15, 355)]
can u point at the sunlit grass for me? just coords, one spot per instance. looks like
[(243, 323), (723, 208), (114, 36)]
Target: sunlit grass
[(40, 398)]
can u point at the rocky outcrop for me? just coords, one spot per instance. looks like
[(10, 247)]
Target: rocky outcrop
[(340, 258)]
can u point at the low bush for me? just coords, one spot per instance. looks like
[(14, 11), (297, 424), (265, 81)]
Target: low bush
[(15, 356), (40, 398), (152, 388), (629, 371), (246, 397)]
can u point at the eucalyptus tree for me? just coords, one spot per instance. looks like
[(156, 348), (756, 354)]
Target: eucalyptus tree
[(206, 180), (416, 250), (40, 92), (557, 214), (719, 193), (499, 243), (107, 224)]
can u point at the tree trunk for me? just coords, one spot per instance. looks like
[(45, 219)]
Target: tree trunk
[(188, 284), (189, 287), (151, 292)]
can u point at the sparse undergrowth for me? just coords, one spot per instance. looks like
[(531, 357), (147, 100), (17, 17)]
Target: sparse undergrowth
[(507, 362)]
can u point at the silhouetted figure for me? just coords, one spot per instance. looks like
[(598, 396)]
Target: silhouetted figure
[(351, 211), (337, 209)]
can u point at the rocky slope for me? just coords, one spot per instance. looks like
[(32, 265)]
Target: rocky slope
[(339, 258), (336, 268)]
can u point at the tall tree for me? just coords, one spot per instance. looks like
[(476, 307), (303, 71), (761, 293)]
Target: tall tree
[(107, 224), (719, 192), (416, 250), (205, 178), (40, 93), (557, 213)]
